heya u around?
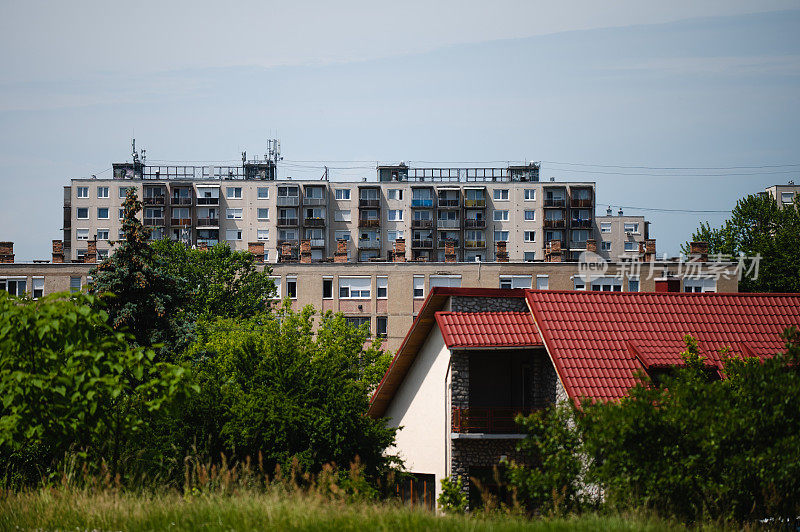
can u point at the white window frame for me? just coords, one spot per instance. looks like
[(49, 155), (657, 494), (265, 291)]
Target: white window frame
[(530, 194), (527, 234), (525, 256), (99, 210), (262, 210), (342, 194), (228, 234), (107, 236), (342, 215), (542, 282), (418, 289), (289, 280), (34, 288), (123, 192), (233, 192), (444, 280), (634, 279), (259, 190), (276, 280), (342, 234), (262, 234), (231, 213), (102, 192), (700, 284), (121, 213), (614, 284), (395, 194), (516, 281), (631, 227), (382, 284), (532, 215), (500, 194), (357, 282), (634, 246), (82, 233), (504, 216), (605, 246), (78, 213), (503, 237), (395, 215), (605, 227), (82, 192)]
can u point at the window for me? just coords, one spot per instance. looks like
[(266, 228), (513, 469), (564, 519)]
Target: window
[(419, 287), (580, 284), (102, 192), (287, 234), (102, 213), (501, 236), (81, 254), (342, 193), (530, 194), (605, 227), (395, 215), (102, 254), (632, 228), (358, 321), (500, 194), (83, 192), (342, 235), (394, 193), (291, 287), (631, 246), (233, 214), (233, 234), (580, 235), (529, 236), (354, 287), (121, 214), (381, 325), (81, 234), (262, 234), (82, 213), (453, 281), (394, 235), (542, 282), (121, 235), (530, 216), (787, 197), (123, 192), (74, 284), (700, 284), (327, 288), (515, 281), (38, 287), (263, 214), (276, 280), (500, 216), (102, 234), (263, 192), (605, 246), (607, 284), (288, 192), (15, 287), (529, 256), (234, 192), (342, 216), (383, 287), (633, 284), (157, 233)]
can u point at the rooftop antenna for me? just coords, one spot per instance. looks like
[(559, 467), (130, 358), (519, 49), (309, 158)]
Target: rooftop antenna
[(133, 150), (244, 157), (144, 157)]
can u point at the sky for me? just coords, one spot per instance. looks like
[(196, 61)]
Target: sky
[(668, 106)]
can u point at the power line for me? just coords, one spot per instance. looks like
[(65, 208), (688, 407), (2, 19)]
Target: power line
[(676, 167), (653, 209), (598, 172)]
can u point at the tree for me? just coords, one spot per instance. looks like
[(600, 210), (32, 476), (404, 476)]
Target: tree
[(69, 383), (273, 386), (759, 227)]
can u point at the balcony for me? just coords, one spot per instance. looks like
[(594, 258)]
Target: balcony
[(208, 201), (180, 222), (581, 224), (475, 203), (472, 223), (364, 203), (422, 244), (369, 222), (208, 222), (422, 203), (181, 201), (154, 222), (488, 420), (449, 203), (555, 202), (553, 224), (577, 245), (313, 201), (154, 200), (314, 222), (448, 224), (475, 244), (421, 224), (580, 202), (369, 243), (210, 242), (288, 201), (288, 222), (454, 241)]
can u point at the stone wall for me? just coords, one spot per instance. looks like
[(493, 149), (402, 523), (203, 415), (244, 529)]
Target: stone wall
[(459, 379), (488, 304), (468, 453)]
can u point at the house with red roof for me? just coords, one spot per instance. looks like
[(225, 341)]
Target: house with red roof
[(474, 358)]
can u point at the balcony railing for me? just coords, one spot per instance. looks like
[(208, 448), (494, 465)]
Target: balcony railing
[(314, 222), (369, 243), (448, 224), (548, 224), (582, 224), (446, 203), (421, 224), (368, 203), (577, 245), (180, 221), (472, 223), (288, 222), (206, 222), (317, 242), (443, 243), (489, 420), (369, 222), (313, 201), (208, 201), (555, 202), (580, 202), (154, 200), (288, 201), (475, 203), (422, 203), (279, 244), (475, 244), (180, 201), (154, 221), (422, 244)]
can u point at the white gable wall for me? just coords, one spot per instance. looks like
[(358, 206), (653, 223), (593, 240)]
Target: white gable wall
[(421, 406)]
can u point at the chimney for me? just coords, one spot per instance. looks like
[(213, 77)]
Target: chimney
[(591, 245), (91, 252), (449, 250), (400, 250), (650, 249), (501, 255), (620, 212), (286, 252), (609, 212), (668, 284), (257, 249), (698, 251), (341, 251), (305, 251), (58, 252), (6, 253)]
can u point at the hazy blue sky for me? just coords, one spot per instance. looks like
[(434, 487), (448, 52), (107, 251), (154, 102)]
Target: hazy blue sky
[(666, 84)]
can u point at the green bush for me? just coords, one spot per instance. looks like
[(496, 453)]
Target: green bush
[(453, 499)]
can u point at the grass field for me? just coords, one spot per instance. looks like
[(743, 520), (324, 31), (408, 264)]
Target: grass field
[(71, 509)]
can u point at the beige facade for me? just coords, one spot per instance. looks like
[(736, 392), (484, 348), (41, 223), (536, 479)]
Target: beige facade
[(619, 237), (389, 295), (783, 194)]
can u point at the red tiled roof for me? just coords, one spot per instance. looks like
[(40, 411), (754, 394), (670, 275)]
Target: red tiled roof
[(487, 329), (598, 340)]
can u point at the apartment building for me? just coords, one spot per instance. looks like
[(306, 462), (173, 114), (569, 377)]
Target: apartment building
[(441, 214), (783, 194)]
